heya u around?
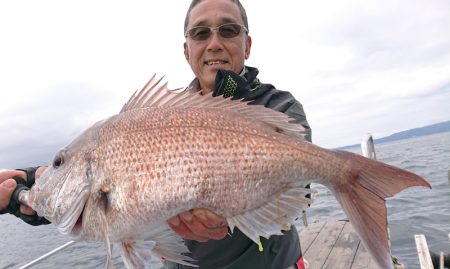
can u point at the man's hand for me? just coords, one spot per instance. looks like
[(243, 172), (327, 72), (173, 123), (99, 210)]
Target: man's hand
[(8, 185), (199, 224)]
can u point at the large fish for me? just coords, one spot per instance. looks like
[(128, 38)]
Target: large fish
[(166, 153)]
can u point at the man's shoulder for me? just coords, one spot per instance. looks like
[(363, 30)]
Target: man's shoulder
[(270, 89), (265, 93), (259, 90)]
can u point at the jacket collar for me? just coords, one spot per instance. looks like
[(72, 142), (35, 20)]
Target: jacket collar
[(248, 73)]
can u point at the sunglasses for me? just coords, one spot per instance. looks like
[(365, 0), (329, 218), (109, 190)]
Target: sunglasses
[(228, 30)]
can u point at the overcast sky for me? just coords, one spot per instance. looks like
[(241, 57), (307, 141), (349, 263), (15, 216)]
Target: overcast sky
[(377, 66)]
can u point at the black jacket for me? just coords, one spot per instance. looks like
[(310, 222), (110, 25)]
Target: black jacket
[(237, 251)]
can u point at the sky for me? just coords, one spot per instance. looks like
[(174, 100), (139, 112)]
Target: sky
[(358, 67)]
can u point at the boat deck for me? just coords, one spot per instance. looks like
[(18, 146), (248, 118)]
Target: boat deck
[(334, 244)]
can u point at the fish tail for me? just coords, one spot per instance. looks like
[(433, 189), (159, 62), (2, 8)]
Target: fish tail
[(363, 199)]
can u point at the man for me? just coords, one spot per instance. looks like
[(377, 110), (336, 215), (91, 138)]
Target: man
[(217, 39), (217, 44)]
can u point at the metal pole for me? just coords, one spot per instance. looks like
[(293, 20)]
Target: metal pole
[(28, 265), (368, 147)]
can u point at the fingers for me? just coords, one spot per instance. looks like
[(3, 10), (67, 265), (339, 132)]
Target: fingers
[(27, 210), (202, 228), (209, 219), (200, 225), (7, 174), (205, 222), (185, 231), (6, 189)]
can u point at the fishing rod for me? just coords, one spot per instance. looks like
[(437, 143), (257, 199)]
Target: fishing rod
[(48, 254)]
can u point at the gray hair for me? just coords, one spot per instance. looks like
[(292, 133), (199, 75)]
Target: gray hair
[(237, 2)]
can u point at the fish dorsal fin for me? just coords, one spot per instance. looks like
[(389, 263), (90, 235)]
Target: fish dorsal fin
[(149, 95), (156, 94)]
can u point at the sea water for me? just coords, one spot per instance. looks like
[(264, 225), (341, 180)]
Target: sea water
[(416, 210)]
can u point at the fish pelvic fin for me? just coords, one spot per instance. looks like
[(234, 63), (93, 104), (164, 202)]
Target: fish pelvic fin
[(275, 216), (363, 200), (170, 246), (162, 243)]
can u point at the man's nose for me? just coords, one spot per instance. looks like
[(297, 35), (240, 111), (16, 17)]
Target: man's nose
[(215, 42)]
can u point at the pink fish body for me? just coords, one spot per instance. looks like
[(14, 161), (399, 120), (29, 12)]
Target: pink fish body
[(166, 153)]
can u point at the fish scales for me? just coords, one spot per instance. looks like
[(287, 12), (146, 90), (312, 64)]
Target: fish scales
[(199, 157), (166, 153), (198, 174)]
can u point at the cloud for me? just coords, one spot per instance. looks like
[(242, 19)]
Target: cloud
[(377, 66), (37, 127), (361, 67)]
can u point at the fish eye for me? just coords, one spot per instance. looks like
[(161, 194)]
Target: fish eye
[(59, 160)]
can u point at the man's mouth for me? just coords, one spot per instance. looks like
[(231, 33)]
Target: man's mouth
[(215, 62)]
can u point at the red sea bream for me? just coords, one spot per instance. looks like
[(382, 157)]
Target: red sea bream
[(166, 153)]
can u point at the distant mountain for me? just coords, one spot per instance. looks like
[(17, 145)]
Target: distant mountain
[(441, 127)]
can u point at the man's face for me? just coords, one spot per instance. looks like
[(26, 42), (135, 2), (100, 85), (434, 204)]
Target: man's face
[(206, 57)]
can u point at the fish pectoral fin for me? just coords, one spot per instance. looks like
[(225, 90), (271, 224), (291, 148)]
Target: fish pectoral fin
[(109, 264), (160, 242), (273, 217), (108, 245)]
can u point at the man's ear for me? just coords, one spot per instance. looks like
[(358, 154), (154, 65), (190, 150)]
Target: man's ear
[(186, 51), (248, 46)]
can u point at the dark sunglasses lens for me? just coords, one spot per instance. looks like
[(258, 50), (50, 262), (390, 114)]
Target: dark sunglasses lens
[(200, 33), (229, 30)]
